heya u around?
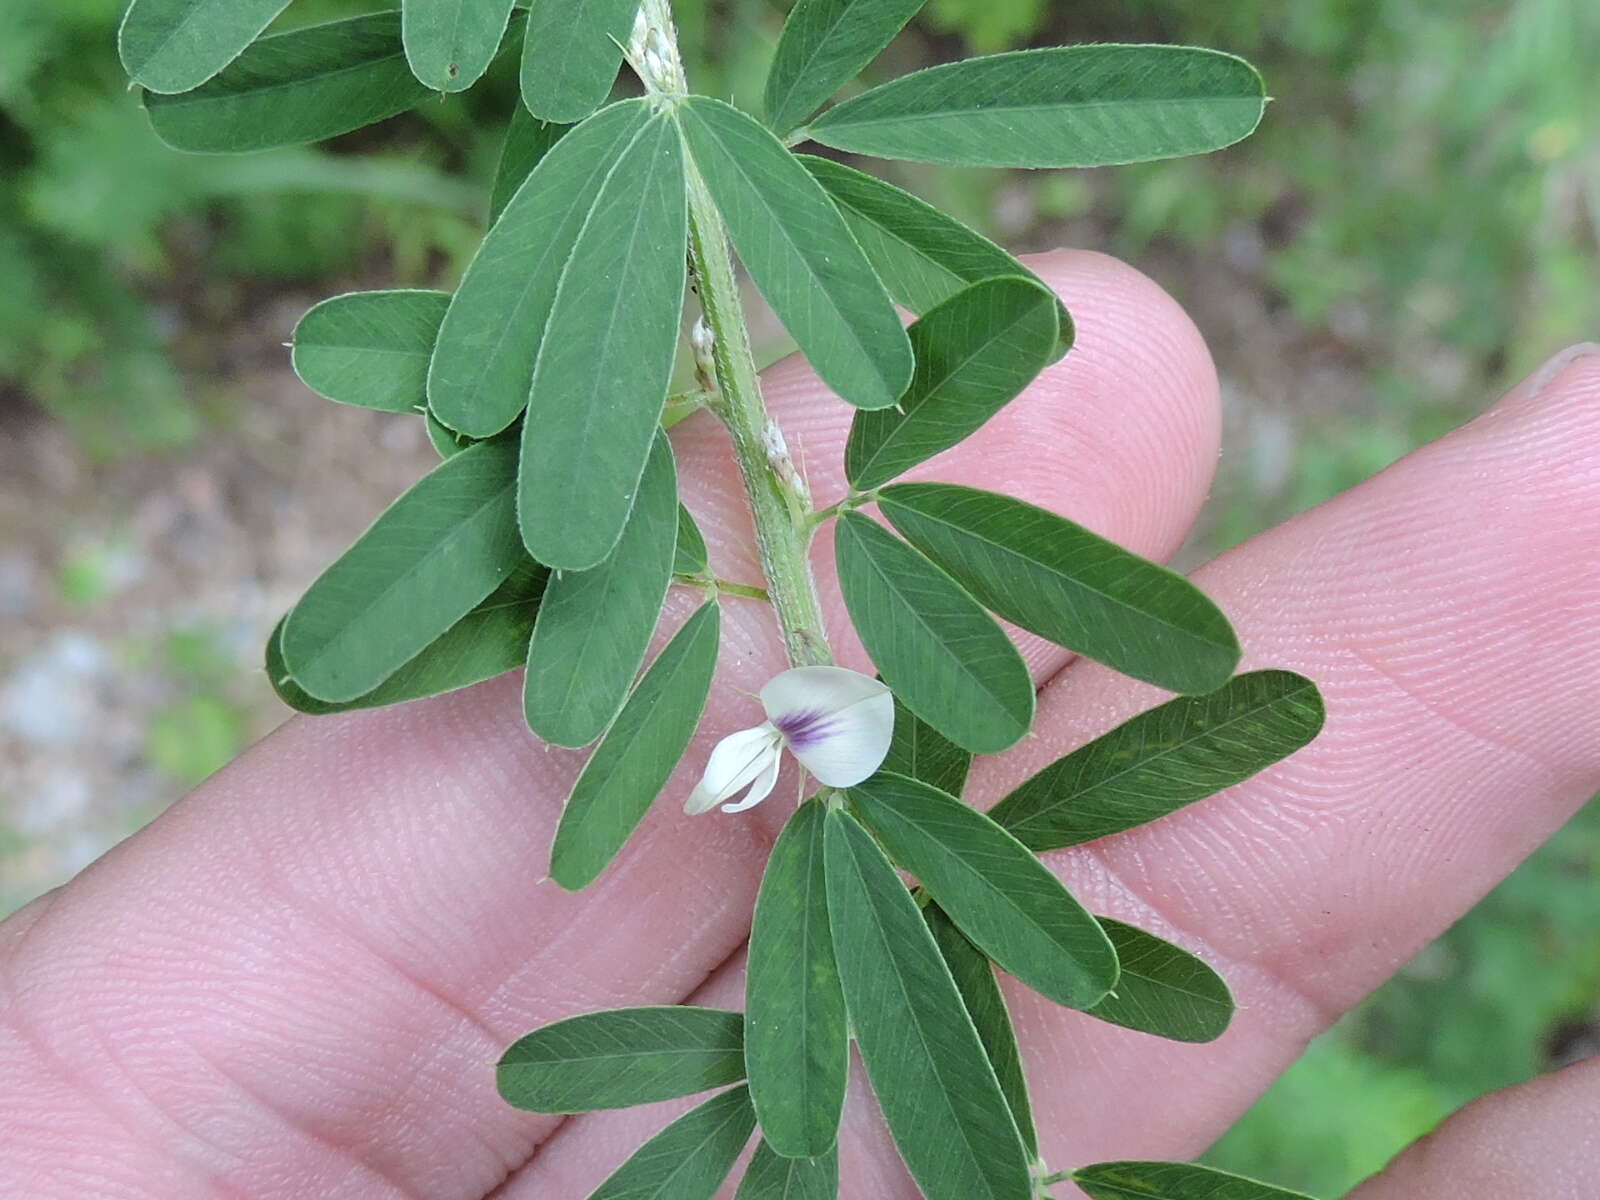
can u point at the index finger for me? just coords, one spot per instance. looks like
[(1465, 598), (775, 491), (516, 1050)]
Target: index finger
[(1450, 611), (302, 976)]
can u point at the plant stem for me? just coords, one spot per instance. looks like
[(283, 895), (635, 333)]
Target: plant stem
[(683, 405), (780, 504)]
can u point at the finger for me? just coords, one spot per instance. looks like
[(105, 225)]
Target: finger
[(1537, 1139), (1136, 395), (587, 1149), (1448, 611), (302, 975)]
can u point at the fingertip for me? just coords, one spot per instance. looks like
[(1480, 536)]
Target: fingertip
[(1122, 433)]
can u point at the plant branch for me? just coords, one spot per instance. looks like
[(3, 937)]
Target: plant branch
[(780, 503)]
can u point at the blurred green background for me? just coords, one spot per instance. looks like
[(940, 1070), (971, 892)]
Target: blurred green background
[(1414, 227)]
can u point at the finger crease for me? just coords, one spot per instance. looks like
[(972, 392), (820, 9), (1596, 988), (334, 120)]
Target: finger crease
[(1323, 1013)]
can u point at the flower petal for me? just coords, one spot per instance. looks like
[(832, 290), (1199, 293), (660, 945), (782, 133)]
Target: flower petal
[(851, 745), (761, 788), (735, 761), (823, 689), (837, 722)]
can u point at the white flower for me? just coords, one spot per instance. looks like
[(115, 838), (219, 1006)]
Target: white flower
[(837, 722)]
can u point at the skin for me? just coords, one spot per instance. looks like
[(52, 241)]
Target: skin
[(296, 982)]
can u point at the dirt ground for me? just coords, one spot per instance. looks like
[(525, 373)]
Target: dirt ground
[(210, 546)]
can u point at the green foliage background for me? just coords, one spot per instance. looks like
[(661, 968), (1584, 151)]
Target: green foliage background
[(1422, 206)]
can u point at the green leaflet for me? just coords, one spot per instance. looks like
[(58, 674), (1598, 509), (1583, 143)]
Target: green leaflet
[(294, 87), (1172, 1181), (488, 641), (370, 348), (606, 357), (921, 254), (922, 752), (594, 626), (1066, 106), (938, 651), (1067, 584), (174, 45), (622, 1057), (483, 364), (635, 758), (450, 43), (800, 254), (528, 140), (796, 1039), (689, 1159), (980, 992), (975, 352), (770, 1176), (426, 562), (444, 439), (1003, 898), (691, 557), (1163, 989), (1162, 759), (933, 1081), (824, 45), (571, 55)]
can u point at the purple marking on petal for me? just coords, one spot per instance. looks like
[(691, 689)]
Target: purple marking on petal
[(804, 728)]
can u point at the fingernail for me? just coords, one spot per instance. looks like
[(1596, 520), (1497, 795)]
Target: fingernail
[(1558, 362)]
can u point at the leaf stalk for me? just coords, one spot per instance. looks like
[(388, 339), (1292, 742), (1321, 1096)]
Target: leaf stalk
[(780, 503)]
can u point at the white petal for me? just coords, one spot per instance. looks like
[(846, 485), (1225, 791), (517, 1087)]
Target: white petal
[(851, 745), (761, 788), (735, 761), (824, 689), (837, 722)]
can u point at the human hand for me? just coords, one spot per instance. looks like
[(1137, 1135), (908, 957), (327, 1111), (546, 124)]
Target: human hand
[(297, 981)]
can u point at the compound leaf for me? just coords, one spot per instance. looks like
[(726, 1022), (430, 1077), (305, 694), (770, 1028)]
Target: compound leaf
[(370, 349), (528, 140), (1003, 898), (426, 562), (300, 86), (796, 1040), (800, 254), (920, 751), (1063, 582), (450, 43), (691, 557), (1163, 989), (1063, 106), (933, 1080), (571, 54), (1163, 759), (606, 357), (594, 626), (824, 45), (1173, 1181), (446, 441), (175, 45), (770, 1176), (975, 352), (490, 640), (483, 364), (936, 648), (980, 992), (689, 1159), (622, 1057), (922, 255), (633, 761)]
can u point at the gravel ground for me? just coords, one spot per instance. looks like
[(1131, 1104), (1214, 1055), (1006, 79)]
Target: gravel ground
[(135, 596)]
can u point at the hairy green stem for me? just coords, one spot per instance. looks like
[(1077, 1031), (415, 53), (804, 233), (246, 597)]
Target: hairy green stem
[(780, 504)]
